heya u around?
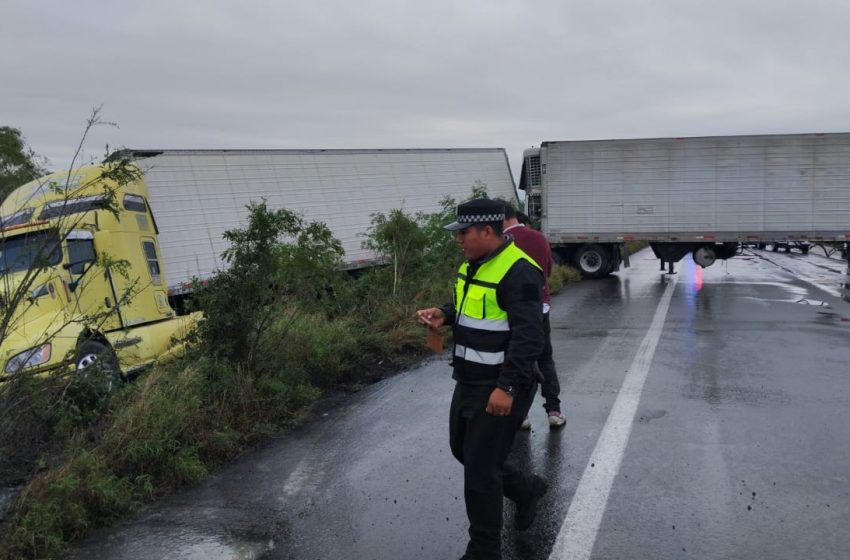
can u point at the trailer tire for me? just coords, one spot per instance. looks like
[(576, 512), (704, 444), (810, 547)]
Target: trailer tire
[(704, 256), (805, 250), (96, 358), (593, 261)]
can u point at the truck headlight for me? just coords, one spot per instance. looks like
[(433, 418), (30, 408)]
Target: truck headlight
[(30, 358)]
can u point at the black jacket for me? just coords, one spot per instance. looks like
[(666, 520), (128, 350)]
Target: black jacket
[(520, 294)]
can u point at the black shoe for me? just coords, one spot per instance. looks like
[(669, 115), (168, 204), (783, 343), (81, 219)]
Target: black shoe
[(525, 513)]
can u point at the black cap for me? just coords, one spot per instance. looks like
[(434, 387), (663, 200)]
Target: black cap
[(478, 211)]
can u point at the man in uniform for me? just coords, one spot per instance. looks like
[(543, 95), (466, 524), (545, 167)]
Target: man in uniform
[(537, 247), (498, 336)]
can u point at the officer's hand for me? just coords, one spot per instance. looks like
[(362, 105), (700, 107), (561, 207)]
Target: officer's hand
[(432, 317), (500, 403)]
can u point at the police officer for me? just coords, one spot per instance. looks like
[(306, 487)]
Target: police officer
[(498, 334)]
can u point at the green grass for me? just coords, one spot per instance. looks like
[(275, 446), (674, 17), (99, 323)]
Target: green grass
[(263, 356), (64, 504), (168, 429)]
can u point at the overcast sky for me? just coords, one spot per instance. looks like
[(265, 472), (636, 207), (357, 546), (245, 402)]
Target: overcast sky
[(396, 74)]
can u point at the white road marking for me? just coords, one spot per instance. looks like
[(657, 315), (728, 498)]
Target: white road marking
[(578, 533)]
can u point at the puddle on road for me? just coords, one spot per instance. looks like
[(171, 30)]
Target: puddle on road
[(822, 316), (826, 276), (191, 545), (797, 294), (802, 301), (815, 302), (651, 415), (716, 394)]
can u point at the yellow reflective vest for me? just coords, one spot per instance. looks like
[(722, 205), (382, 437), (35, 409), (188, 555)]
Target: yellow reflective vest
[(481, 329)]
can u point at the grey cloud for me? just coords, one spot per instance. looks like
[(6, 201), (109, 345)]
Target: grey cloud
[(387, 74)]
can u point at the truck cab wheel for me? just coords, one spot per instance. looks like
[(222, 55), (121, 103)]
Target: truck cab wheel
[(95, 358), (593, 261)]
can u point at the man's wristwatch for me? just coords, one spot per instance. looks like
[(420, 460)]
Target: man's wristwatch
[(509, 389)]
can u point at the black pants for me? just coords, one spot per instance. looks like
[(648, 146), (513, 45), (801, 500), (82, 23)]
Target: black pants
[(549, 388), (482, 442)]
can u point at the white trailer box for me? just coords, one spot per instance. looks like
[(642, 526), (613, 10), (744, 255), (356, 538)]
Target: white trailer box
[(196, 195), (688, 194)]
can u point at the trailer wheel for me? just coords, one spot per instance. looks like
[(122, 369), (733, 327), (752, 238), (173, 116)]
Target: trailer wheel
[(94, 358), (593, 261), (775, 248), (705, 256), (805, 249)]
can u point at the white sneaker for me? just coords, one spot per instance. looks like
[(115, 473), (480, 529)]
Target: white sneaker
[(526, 424), (556, 419)]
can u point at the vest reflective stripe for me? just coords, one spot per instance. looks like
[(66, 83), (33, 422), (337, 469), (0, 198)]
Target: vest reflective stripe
[(484, 324), (486, 358)]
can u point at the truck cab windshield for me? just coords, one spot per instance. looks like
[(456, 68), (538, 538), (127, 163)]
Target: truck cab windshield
[(30, 250)]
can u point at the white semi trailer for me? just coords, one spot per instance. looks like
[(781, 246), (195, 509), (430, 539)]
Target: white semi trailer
[(168, 227), (197, 195), (700, 195)]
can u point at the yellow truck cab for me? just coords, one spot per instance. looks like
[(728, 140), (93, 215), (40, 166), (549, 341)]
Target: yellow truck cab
[(81, 277)]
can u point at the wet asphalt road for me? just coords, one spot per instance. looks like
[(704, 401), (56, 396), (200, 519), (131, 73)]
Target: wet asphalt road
[(739, 445)]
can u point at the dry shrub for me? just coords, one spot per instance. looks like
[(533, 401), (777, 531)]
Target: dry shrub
[(561, 276)]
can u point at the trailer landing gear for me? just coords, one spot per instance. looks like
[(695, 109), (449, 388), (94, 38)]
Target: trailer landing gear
[(671, 267)]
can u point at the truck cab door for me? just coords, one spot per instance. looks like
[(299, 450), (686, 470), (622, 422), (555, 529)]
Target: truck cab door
[(91, 287), (141, 250)]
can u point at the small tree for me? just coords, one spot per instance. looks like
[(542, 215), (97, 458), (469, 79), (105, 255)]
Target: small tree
[(18, 162), (278, 265), (399, 237), (440, 256), (31, 408), (38, 255), (419, 243)]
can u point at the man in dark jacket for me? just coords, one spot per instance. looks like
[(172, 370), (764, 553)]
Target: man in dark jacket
[(537, 247), (498, 335)]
